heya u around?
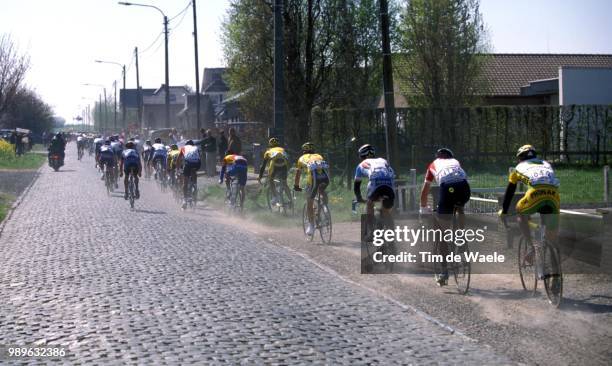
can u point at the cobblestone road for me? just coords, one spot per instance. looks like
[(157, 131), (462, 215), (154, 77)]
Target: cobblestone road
[(156, 286)]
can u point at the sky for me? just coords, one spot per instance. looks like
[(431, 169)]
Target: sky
[(64, 37)]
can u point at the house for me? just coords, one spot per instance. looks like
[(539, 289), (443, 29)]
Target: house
[(533, 79), (154, 107), (548, 79), (187, 117), (129, 99)]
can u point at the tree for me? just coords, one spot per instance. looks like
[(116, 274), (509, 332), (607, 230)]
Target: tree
[(443, 42), (28, 110), (13, 68)]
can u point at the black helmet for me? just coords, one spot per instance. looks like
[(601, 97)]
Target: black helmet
[(107, 142), (148, 142), (444, 153), (308, 147), (189, 142), (526, 152), (158, 140), (366, 151), (130, 145)]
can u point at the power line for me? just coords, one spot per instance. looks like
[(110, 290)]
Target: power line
[(179, 22), (152, 44), (181, 12)]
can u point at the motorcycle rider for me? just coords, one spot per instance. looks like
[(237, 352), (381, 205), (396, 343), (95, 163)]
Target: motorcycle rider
[(57, 146)]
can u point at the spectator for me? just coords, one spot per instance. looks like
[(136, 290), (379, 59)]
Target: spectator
[(222, 144), (233, 143), (209, 147)]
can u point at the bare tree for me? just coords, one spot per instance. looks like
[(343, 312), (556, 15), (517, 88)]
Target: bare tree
[(13, 67)]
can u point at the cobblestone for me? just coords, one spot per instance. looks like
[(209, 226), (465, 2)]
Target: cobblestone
[(158, 285)]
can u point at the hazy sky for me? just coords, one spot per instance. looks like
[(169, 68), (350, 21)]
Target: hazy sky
[(64, 37)]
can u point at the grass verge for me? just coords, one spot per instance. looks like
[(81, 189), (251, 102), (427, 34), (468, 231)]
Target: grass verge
[(6, 200), (27, 161)]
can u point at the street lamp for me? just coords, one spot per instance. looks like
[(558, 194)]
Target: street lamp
[(100, 103), (122, 104), (167, 87)]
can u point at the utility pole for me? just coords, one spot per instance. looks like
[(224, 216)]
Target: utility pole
[(115, 84), (123, 111), (197, 67), (105, 111), (167, 72), (390, 120), (99, 119), (279, 83), (138, 92)]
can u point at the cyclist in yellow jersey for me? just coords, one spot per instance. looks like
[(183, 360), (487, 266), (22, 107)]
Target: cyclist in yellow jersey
[(317, 179), (277, 162), (542, 195), (172, 162)]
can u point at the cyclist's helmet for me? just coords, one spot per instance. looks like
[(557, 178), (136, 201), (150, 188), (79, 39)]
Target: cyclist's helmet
[(174, 147), (273, 142), (308, 148), (158, 140), (148, 142), (107, 142), (526, 152), (366, 151), (189, 142), (129, 145), (444, 153)]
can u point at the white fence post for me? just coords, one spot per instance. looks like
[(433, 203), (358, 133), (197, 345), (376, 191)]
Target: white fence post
[(413, 182), (606, 187)]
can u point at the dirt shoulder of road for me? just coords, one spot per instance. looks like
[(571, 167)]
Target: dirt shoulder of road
[(496, 312)]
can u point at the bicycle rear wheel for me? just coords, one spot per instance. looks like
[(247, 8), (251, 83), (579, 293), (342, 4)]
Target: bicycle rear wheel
[(526, 265), (325, 223), (305, 221), (462, 270), (131, 191), (553, 276)]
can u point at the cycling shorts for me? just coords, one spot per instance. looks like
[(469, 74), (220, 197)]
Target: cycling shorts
[(383, 193), (279, 172), (159, 157), (320, 182), (239, 171), (453, 195), (544, 200), (190, 168), (107, 160), (130, 167)]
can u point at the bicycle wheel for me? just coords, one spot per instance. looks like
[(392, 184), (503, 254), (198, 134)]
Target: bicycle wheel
[(461, 271), (269, 197), (131, 191), (388, 248), (324, 223), (526, 266), (553, 276), (194, 195), (305, 222)]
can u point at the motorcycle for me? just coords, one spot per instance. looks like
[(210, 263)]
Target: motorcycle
[(55, 161)]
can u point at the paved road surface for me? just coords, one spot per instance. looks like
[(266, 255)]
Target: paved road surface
[(158, 285)]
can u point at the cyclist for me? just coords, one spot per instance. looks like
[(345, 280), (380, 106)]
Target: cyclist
[(147, 155), (106, 157), (542, 195), (159, 154), (317, 179), (381, 181), (173, 156), (277, 161), (234, 165), (189, 158), (117, 146), (454, 192), (98, 142), (80, 145), (130, 164)]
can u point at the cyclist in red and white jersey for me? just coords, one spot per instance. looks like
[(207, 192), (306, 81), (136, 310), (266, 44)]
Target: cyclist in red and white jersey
[(454, 193)]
